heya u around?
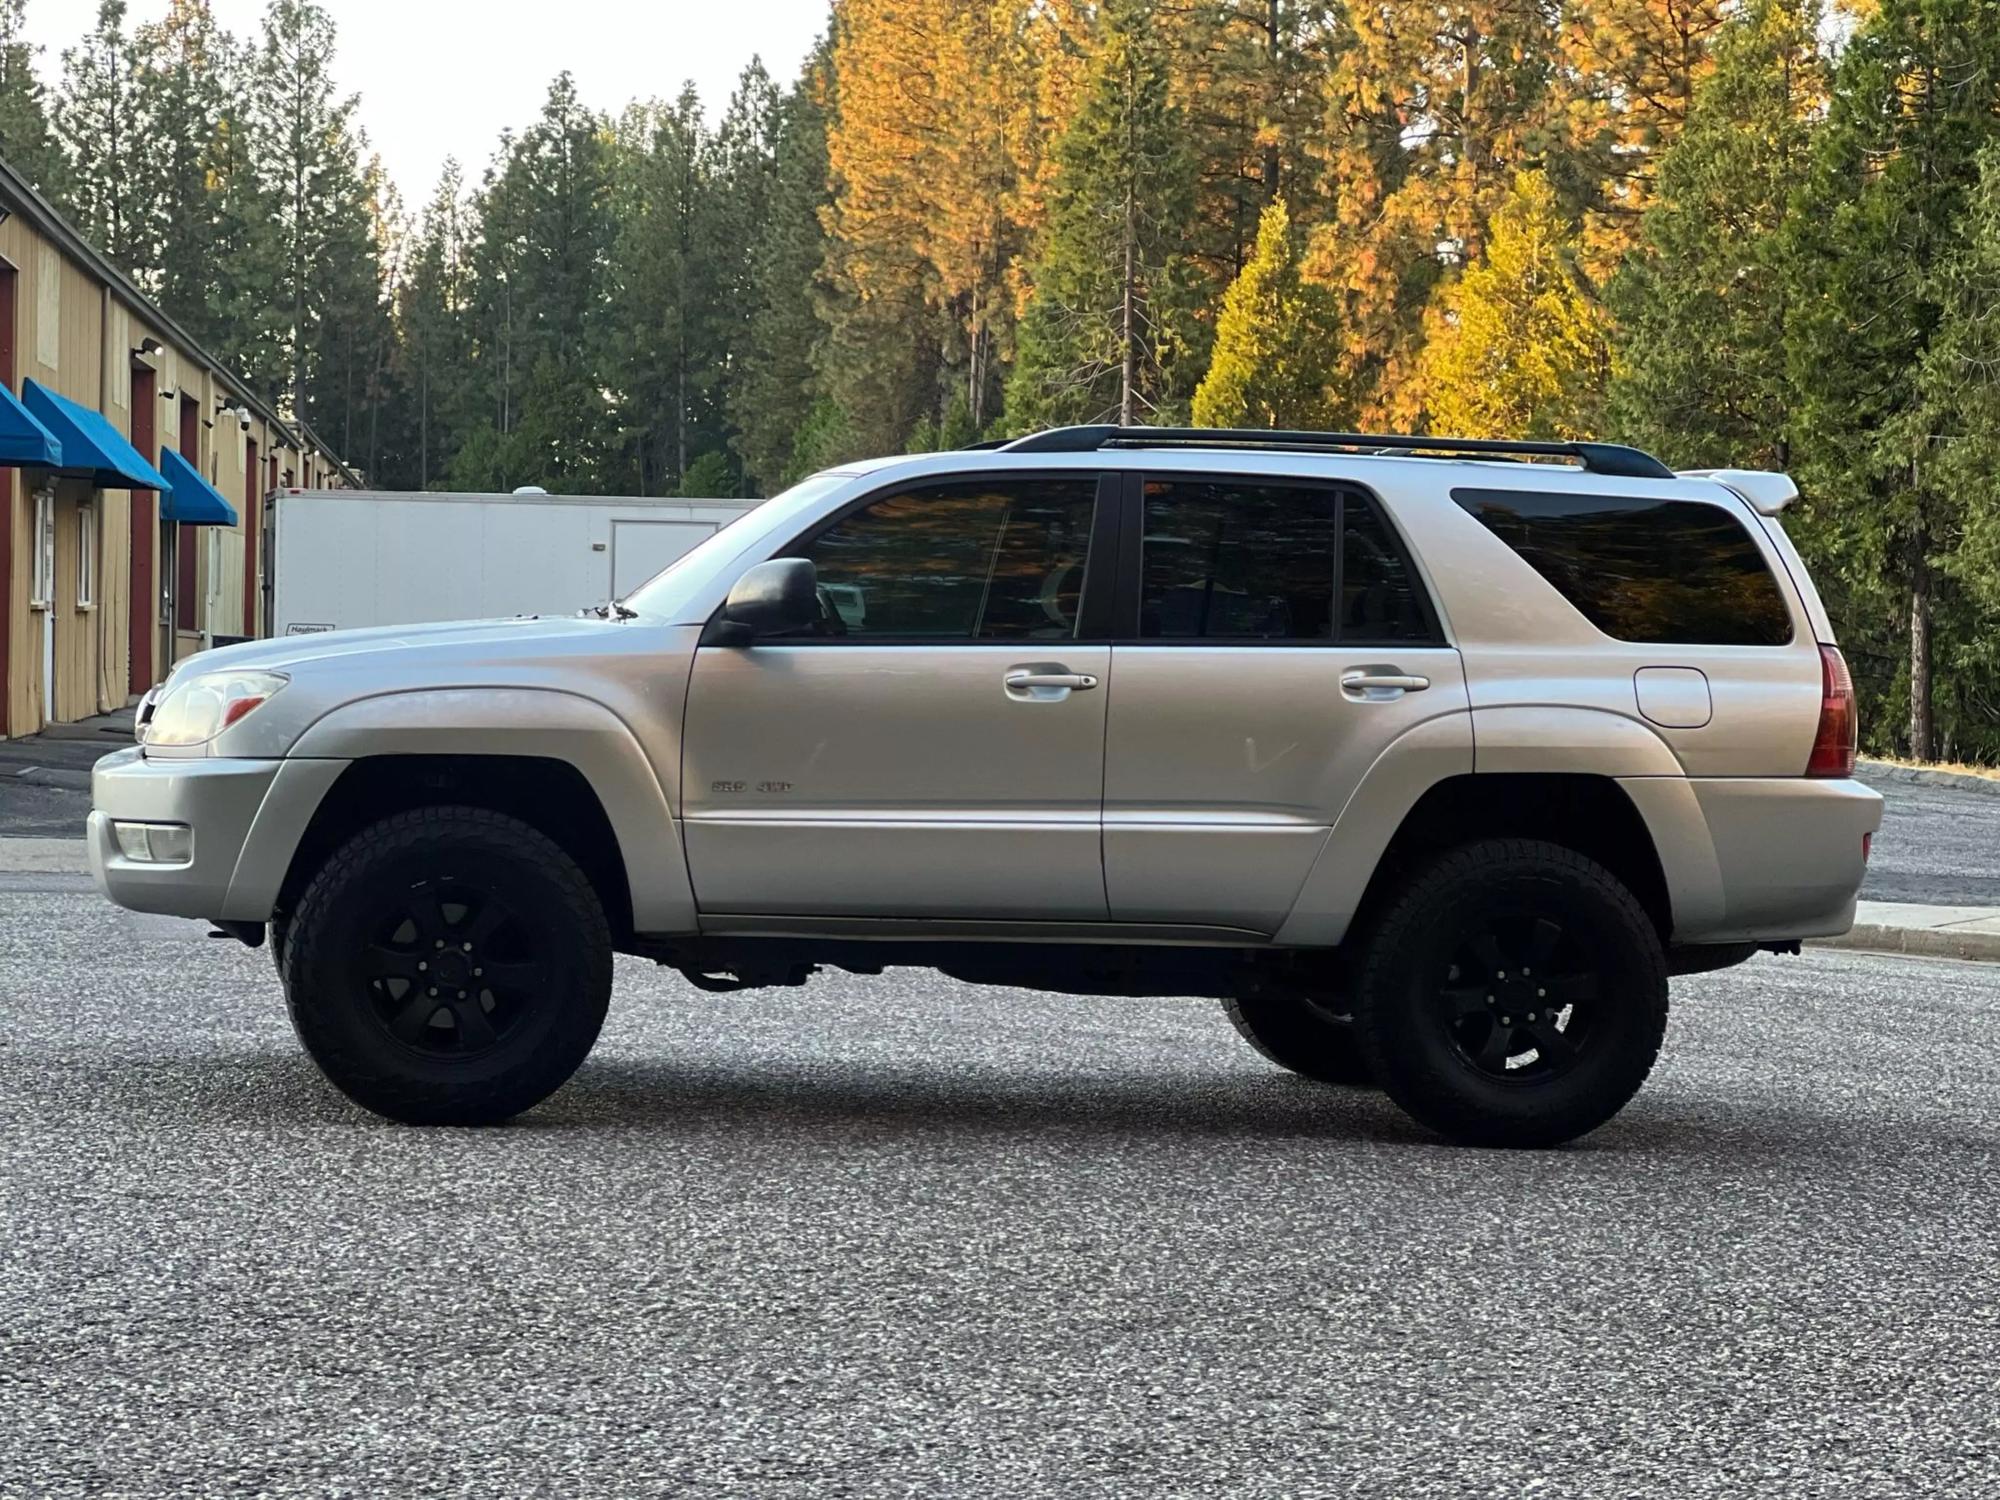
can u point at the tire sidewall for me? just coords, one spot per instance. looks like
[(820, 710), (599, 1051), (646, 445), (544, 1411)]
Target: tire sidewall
[(332, 1006), (1403, 1025)]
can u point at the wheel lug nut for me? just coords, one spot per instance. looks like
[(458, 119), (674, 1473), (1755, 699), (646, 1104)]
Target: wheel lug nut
[(461, 994), (421, 966), (1541, 994), (432, 992), (1506, 1020), (439, 943), (1503, 973), (466, 946), (476, 973)]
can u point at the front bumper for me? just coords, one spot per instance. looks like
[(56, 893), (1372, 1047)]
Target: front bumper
[(247, 817)]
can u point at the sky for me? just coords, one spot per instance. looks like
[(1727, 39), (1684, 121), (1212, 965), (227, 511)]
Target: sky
[(442, 78)]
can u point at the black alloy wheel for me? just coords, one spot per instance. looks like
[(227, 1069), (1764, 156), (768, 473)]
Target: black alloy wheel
[(1513, 992), (448, 965), (452, 967), (1520, 995)]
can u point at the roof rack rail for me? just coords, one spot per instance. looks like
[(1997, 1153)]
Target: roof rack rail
[(1595, 458)]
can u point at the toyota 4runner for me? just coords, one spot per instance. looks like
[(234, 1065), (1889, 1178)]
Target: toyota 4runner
[(1430, 759)]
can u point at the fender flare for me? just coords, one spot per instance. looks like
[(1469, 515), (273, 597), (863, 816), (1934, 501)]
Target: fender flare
[(1560, 738), (1407, 767), (544, 724)]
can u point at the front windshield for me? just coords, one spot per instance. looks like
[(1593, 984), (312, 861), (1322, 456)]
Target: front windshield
[(666, 593)]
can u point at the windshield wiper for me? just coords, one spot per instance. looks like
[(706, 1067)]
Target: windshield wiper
[(612, 609)]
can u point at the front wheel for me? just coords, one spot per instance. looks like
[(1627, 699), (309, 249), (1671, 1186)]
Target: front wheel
[(1513, 994), (448, 965), (1300, 1035)]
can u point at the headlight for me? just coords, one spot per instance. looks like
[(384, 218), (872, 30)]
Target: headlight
[(196, 711)]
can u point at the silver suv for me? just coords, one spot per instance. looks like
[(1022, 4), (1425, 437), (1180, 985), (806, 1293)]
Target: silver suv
[(1430, 759)]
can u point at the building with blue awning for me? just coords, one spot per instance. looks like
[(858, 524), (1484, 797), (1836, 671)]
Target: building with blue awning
[(24, 442), (90, 447), (133, 469), (191, 500)]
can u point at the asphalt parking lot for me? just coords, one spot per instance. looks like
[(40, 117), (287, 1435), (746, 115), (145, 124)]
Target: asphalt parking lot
[(907, 1237)]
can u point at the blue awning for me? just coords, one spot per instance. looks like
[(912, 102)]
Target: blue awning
[(193, 501), (24, 442), (91, 447)]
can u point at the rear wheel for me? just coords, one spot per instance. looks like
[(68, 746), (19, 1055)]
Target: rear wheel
[(448, 966), (1302, 1035), (1514, 994)]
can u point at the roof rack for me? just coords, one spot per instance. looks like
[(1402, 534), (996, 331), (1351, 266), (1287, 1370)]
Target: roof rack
[(1595, 458)]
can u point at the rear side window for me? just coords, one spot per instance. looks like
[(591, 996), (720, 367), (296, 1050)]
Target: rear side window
[(1244, 561), (1679, 572)]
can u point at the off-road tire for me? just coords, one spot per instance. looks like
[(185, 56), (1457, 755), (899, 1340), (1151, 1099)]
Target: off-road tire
[(554, 1021), (1406, 995), (1297, 1035)]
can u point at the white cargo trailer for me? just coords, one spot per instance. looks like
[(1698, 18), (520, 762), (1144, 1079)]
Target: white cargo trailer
[(340, 558)]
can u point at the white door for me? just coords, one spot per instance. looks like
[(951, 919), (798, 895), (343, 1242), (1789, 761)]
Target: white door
[(44, 592)]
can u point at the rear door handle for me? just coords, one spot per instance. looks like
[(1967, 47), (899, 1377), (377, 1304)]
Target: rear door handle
[(1022, 681), (1364, 680)]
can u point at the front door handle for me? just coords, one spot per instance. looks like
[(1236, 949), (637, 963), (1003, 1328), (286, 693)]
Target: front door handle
[(1023, 680), (1364, 681)]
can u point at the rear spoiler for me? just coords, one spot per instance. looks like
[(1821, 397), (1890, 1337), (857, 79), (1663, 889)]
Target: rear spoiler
[(1765, 491)]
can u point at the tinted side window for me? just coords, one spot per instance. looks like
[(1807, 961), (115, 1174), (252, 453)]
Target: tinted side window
[(1668, 571), (1378, 598), (1237, 560), (977, 560)]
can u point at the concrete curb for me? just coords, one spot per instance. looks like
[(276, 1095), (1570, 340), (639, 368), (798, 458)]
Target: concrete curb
[(43, 857), (1881, 770), (1916, 942), (62, 776)]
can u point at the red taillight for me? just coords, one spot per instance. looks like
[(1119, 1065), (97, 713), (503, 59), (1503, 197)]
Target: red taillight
[(1833, 746)]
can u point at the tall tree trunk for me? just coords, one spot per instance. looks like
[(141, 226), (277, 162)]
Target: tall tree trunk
[(1921, 738), (1273, 37), (1128, 375)]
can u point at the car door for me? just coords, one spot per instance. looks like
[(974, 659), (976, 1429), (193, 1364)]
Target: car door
[(936, 747), (1281, 642)]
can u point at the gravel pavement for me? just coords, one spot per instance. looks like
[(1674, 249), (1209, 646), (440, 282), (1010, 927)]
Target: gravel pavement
[(903, 1236)]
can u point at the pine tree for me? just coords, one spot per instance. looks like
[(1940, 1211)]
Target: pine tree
[(540, 288), (96, 118), (1892, 170), (1517, 347), (1108, 334), (309, 160), (1433, 113), (433, 306), (1958, 392), (931, 170), (1247, 77), (774, 391), (27, 143), (1698, 368), (203, 199), (1274, 343), (1631, 70)]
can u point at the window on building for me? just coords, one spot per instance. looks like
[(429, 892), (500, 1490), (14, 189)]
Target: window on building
[(1235, 559), (42, 582), (975, 560), (86, 555), (1659, 571)]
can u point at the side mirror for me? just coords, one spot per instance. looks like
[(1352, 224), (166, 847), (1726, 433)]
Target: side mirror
[(773, 598)]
